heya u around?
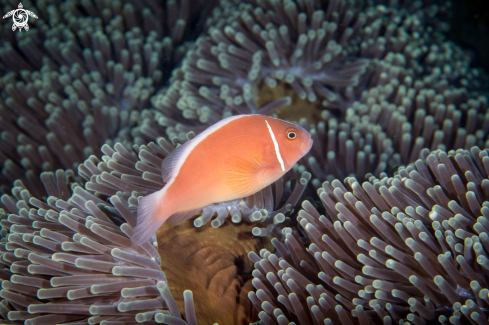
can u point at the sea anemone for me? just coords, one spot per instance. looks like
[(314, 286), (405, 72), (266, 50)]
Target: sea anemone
[(397, 115), (376, 83), (264, 45), (254, 47), (70, 257), (405, 248), (414, 116), (173, 22), (342, 149), (213, 264), (68, 260), (98, 73), (389, 126), (433, 13)]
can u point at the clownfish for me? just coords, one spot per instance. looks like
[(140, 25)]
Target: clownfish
[(232, 159)]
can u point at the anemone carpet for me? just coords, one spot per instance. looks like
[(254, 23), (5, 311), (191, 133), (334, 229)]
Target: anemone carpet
[(407, 248), (325, 51), (70, 262), (71, 256), (93, 73), (414, 90), (394, 108)]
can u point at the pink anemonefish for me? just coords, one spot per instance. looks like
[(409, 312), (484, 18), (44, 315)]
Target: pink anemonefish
[(232, 159)]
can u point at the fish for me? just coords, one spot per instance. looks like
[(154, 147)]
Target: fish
[(232, 159)]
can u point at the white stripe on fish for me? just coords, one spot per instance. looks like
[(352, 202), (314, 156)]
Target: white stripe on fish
[(275, 144)]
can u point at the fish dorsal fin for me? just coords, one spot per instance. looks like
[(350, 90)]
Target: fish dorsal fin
[(245, 174), (174, 161), (168, 166)]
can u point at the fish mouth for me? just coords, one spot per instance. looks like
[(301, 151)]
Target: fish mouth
[(306, 147)]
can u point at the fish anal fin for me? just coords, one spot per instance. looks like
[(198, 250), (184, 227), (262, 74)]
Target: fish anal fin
[(182, 216), (245, 174)]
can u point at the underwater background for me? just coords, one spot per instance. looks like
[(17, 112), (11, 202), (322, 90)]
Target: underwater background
[(384, 221)]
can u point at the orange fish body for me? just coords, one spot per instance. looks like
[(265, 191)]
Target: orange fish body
[(232, 159)]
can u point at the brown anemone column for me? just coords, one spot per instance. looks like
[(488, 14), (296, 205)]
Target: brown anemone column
[(213, 263)]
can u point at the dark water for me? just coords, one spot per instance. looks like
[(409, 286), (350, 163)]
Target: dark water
[(470, 27)]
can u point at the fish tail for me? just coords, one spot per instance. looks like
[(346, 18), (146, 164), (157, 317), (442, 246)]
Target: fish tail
[(151, 215)]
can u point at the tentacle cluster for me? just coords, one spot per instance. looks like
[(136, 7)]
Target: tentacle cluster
[(263, 44), (69, 259), (389, 126), (95, 72), (411, 248)]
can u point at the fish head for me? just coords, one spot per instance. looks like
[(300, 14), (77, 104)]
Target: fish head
[(293, 141)]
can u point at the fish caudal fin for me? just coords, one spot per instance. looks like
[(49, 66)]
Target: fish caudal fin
[(150, 216)]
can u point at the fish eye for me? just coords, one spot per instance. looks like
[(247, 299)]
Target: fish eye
[(291, 134)]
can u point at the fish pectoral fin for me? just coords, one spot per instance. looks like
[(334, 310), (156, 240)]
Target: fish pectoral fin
[(245, 175), (182, 216)]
